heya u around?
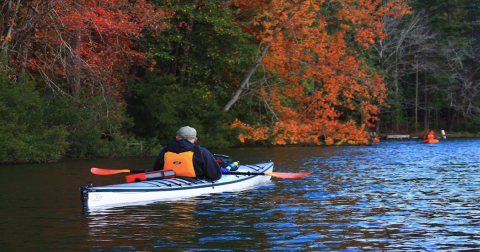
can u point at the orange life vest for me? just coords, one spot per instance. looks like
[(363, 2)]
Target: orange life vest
[(181, 163)]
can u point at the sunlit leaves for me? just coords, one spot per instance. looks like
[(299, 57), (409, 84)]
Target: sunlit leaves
[(327, 94)]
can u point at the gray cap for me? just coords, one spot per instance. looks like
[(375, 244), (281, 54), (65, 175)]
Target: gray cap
[(187, 132)]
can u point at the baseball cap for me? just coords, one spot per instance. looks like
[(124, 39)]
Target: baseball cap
[(187, 132)]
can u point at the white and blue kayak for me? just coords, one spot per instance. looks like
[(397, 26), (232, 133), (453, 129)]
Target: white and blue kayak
[(167, 189)]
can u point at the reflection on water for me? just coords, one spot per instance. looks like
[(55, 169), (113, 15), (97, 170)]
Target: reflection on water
[(392, 196)]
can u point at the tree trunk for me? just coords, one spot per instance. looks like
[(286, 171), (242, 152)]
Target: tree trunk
[(416, 101), (425, 116), (396, 112), (246, 79), (173, 66), (76, 44), (452, 122), (23, 57), (188, 41), (183, 67)]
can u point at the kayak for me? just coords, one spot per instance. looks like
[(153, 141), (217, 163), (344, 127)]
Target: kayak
[(431, 141), (148, 191)]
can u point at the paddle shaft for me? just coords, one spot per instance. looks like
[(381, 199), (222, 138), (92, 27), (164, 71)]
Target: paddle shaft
[(244, 173), (138, 171), (273, 174), (100, 171)]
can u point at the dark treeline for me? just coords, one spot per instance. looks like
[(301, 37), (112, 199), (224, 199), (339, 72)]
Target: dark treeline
[(114, 80), (430, 60)]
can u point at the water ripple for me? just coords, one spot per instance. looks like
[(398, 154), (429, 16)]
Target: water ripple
[(391, 196)]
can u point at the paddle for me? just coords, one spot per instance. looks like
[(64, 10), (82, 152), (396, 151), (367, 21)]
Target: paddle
[(100, 171)]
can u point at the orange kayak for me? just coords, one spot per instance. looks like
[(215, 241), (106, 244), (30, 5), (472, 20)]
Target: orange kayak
[(431, 141)]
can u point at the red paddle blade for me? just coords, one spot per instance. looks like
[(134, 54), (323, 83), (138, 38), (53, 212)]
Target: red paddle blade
[(287, 175), (100, 171)]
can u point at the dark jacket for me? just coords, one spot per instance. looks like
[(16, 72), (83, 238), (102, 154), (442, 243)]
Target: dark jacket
[(203, 161)]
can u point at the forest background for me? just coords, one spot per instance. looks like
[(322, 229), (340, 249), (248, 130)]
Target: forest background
[(116, 78)]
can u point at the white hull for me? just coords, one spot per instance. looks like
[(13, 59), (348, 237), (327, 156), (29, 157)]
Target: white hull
[(171, 189)]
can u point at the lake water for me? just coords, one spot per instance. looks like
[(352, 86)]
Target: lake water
[(396, 195)]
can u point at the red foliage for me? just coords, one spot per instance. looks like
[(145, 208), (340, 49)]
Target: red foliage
[(86, 46)]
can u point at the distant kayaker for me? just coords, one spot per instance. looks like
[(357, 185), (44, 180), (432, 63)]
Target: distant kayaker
[(188, 159), (430, 135)]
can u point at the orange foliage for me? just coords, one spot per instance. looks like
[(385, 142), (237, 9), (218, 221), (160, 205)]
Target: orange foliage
[(311, 51)]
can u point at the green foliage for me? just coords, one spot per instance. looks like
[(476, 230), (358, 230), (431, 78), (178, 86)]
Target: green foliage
[(26, 137), (35, 129), (160, 107), (452, 17), (96, 128), (198, 61), (205, 47)]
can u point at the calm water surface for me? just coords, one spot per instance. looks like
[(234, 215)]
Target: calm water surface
[(397, 195)]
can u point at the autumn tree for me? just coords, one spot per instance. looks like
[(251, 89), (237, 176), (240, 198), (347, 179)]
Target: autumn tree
[(72, 44), (80, 52), (313, 81)]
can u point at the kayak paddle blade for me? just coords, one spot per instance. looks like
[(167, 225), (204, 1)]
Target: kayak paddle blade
[(287, 175), (100, 171)]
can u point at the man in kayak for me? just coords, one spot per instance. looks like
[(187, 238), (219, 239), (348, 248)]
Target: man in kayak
[(430, 135), (188, 159)]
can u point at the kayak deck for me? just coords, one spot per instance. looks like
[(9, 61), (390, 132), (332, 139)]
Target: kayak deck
[(171, 189)]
